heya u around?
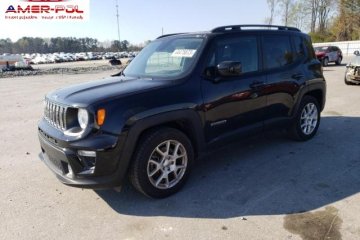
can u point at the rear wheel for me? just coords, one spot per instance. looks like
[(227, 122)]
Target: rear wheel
[(162, 162), (307, 120)]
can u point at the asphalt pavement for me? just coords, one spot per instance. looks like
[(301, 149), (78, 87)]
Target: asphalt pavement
[(267, 187)]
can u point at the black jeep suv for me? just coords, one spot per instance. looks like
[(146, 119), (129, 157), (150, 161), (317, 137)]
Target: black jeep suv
[(183, 94)]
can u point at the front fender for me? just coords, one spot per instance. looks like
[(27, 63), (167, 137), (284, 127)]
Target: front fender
[(141, 122)]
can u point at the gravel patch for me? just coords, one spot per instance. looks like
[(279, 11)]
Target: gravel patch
[(57, 70)]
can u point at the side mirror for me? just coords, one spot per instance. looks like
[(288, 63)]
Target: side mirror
[(357, 53), (229, 69), (223, 70)]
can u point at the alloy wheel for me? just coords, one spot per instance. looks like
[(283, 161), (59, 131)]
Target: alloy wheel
[(309, 118), (167, 164)]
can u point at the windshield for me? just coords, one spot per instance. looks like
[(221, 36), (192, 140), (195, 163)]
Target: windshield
[(166, 58)]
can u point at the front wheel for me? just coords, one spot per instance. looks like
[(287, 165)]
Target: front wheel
[(338, 61), (307, 120), (347, 82), (325, 62), (162, 162)]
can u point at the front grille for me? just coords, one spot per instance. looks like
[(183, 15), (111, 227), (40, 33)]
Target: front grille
[(55, 114)]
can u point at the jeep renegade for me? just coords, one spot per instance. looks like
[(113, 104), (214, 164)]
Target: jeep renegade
[(183, 94)]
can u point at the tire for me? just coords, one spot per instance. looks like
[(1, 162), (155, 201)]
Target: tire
[(325, 62), (338, 61), (305, 126), (156, 172), (347, 82)]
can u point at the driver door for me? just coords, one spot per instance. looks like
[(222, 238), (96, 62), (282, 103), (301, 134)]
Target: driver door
[(234, 104)]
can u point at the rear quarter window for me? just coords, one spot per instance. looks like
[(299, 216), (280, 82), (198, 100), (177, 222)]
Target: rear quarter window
[(299, 48), (277, 51), (310, 53)]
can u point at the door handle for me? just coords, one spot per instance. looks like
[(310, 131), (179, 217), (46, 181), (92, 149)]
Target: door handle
[(257, 85), (297, 76)]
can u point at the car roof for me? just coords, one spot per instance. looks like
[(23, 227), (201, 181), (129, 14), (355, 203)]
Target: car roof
[(237, 29)]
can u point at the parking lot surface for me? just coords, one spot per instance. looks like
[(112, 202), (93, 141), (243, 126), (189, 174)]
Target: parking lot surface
[(80, 64), (268, 187)]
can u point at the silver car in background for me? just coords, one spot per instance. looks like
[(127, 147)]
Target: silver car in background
[(352, 73)]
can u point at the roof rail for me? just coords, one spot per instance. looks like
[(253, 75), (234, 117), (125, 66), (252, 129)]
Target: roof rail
[(253, 26), (168, 35)]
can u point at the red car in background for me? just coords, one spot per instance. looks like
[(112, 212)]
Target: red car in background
[(327, 54)]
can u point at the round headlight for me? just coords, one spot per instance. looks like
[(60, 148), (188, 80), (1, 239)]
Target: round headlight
[(83, 118)]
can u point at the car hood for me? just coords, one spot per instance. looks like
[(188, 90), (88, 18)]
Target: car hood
[(101, 90), (320, 53)]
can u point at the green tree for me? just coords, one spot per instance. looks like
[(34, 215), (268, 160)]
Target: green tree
[(6, 46), (347, 24)]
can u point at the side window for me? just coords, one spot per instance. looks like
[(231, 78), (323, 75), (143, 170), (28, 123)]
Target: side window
[(299, 48), (240, 49), (309, 49), (277, 51)]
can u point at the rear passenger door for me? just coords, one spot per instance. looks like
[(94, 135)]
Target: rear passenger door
[(283, 57)]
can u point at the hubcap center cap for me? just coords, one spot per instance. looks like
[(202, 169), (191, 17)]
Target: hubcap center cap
[(167, 162)]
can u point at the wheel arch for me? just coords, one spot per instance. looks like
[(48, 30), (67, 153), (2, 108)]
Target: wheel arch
[(318, 95), (316, 89), (188, 121)]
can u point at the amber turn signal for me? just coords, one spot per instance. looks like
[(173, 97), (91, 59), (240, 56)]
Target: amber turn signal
[(100, 117)]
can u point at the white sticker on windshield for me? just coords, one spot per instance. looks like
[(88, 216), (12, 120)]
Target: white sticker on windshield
[(186, 53)]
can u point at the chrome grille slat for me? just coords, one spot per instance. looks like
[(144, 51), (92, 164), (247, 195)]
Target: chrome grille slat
[(64, 116), (48, 110), (55, 114), (50, 113), (61, 117), (57, 122)]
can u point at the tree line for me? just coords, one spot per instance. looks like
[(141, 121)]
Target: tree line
[(63, 44), (325, 20)]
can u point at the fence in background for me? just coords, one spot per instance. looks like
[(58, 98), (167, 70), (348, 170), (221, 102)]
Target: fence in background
[(348, 48)]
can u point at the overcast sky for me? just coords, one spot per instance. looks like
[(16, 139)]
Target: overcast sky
[(142, 20)]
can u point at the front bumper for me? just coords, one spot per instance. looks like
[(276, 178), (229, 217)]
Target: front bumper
[(63, 160), (353, 78), (320, 58)]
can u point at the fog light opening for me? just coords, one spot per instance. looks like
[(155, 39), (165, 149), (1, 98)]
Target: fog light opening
[(70, 173), (88, 160)]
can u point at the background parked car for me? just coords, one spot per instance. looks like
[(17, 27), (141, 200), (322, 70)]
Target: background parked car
[(327, 54), (115, 62), (352, 73)]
